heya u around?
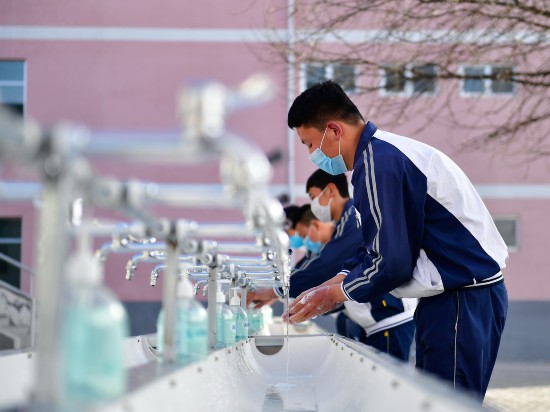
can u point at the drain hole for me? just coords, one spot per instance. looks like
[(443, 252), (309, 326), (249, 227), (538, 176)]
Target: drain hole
[(269, 345)]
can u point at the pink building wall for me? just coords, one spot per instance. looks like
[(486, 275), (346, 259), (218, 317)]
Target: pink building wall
[(145, 13), (122, 85)]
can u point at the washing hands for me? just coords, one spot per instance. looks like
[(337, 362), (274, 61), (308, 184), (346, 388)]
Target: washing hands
[(314, 302)]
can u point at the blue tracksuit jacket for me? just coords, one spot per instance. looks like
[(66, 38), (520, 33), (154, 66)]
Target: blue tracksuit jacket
[(425, 228), (318, 268)]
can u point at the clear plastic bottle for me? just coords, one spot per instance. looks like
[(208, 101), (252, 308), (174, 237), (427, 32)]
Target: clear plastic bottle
[(94, 325), (191, 333), (226, 326), (267, 319), (241, 317), (254, 321)]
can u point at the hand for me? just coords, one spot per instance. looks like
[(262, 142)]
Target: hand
[(260, 297), (313, 302), (336, 279)]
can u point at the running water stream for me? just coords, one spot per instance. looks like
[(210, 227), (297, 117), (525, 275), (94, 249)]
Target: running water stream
[(286, 341), (294, 393)]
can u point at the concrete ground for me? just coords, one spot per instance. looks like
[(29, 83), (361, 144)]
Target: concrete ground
[(519, 386)]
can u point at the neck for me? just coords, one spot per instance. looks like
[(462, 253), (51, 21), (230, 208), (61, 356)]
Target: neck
[(351, 147), (337, 207)]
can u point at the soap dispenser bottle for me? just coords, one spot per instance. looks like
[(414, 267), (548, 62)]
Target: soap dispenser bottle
[(226, 326), (191, 334), (94, 325), (267, 319), (254, 320), (241, 317)]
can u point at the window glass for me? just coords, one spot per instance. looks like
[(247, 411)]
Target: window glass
[(11, 94), (10, 228), (344, 75), (395, 78), (10, 245), (12, 70), (489, 80), (424, 78), (507, 228), (502, 80), (315, 73), (473, 82), (12, 85)]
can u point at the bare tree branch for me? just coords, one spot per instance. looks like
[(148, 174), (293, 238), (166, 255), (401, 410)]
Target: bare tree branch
[(501, 47)]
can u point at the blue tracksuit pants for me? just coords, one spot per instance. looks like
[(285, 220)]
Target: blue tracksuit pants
[(395, 341), (458, 334)]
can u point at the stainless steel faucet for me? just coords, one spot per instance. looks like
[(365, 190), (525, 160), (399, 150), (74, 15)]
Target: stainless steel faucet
[(198, 284)]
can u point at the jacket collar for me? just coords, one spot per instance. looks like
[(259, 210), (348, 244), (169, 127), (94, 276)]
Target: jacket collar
[(366, 136)]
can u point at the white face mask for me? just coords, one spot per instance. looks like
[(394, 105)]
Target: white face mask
[(321, 212)]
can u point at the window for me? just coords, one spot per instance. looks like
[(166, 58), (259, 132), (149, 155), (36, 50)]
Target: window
[(10, 245), (395, 79), (424, 78), (503, 80), (314, 73), (12, 85), (488, 80), (409, 79), (473, 80), (345, 74), (507, 227)]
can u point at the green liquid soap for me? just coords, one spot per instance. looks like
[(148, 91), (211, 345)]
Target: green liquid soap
[(226, 325), (191, 334), (94, 325)]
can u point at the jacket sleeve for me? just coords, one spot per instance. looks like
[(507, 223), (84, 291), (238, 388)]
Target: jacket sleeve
[(352, 262), (328, 263), (392, 195)]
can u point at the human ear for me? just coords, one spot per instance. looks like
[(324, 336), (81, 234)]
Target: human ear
[(331, 189), (334, 129)]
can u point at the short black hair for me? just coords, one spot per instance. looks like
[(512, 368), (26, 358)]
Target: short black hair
[(302, 211), (293, 215), (321, 103), (290, 215), (321, 179), (307, 218)]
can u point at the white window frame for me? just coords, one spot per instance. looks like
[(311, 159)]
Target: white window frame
[(487, 83), (18, 83), (329, 72), (515, 219), (408, 90)]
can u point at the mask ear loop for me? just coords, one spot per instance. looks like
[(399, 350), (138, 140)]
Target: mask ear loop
[(321, 194), (330, 198), (323, 139)]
